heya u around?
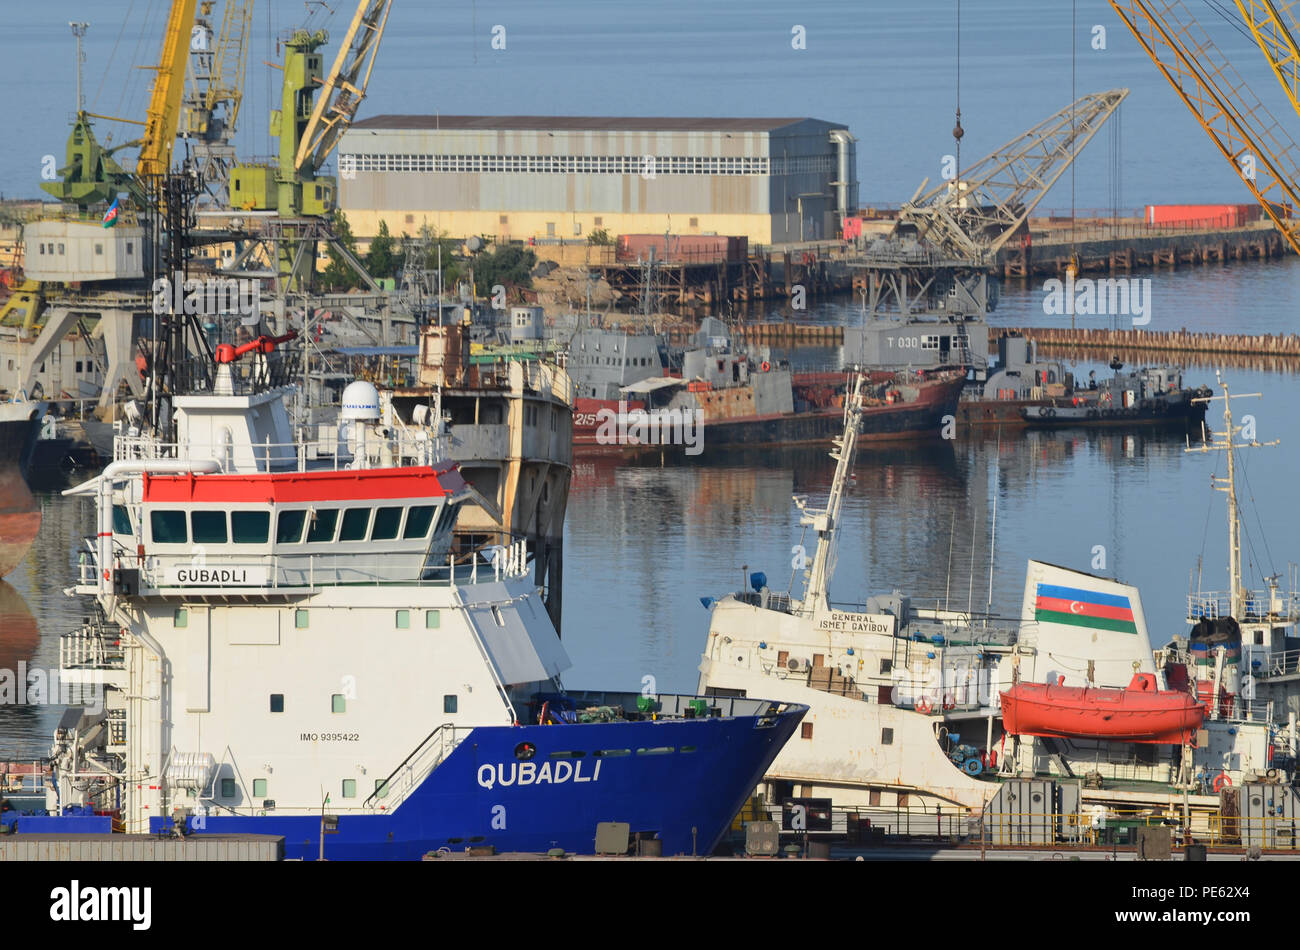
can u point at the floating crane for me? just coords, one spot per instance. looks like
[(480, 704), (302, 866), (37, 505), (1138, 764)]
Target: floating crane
[(1241, 128), (936, 261), (973, 216)]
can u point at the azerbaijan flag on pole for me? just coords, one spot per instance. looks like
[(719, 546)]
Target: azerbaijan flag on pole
[(110, 216)]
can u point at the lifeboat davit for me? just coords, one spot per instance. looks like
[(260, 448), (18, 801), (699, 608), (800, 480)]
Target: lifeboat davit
[(1138, 713)]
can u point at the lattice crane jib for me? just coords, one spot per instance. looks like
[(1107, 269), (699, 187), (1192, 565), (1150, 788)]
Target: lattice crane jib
[(1247, 135), (345, 86), (1274, 27), (972, 217)]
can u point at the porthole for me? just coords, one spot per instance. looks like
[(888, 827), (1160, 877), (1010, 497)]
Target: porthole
[(525, 751)]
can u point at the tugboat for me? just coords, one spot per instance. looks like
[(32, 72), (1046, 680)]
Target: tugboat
[(287, 646)]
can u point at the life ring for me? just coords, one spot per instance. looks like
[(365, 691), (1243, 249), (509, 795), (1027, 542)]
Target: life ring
[(1222, 780), (924, 706), (766, 366)]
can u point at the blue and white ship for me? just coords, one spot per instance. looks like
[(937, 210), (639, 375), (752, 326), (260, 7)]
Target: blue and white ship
[(285, 644)]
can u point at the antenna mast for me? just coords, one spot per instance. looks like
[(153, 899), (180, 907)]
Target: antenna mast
[(1223, 442)]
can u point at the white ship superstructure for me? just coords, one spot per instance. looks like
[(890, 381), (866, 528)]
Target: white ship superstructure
[(905, 699), (287, 645)]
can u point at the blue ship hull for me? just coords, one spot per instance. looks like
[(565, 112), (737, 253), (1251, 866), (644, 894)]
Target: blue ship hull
[(483, 794)]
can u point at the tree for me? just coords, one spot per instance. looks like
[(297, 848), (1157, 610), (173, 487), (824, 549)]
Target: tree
[(509, 265), (339, 275), (600, 237), (383, 259), (453, 266)]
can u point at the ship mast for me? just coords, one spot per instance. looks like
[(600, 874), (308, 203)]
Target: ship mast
[(825, 521), (1223, 442)]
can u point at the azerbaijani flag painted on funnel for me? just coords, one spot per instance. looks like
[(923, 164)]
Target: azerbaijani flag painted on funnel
[(1084, 608), (110, 216)]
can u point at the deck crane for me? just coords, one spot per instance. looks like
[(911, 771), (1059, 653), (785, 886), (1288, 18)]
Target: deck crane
[(1265, 157)]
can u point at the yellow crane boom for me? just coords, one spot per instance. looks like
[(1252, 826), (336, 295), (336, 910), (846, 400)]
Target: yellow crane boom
[(165, 100), (1243, 130), (342, 91), (1276, 40)]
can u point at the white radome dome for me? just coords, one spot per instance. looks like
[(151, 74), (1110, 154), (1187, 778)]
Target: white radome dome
[(360, 402)]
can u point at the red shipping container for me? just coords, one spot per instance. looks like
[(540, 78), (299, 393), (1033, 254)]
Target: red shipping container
[(1202, 216)]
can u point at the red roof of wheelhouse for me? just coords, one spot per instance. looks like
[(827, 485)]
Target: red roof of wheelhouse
[(414, 482)]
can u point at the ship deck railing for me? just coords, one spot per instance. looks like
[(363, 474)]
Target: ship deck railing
[(1275, 663), (91, 649), (1257, 607), (325, 451), (291, 573)]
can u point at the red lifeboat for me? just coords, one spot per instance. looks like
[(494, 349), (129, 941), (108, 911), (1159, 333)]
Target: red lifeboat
[(1138, 713)]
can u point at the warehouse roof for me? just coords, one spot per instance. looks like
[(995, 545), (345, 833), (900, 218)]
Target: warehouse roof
[(492, 123)]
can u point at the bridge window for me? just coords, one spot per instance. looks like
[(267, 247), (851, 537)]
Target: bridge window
[(418, 520), (355, 523), (381, 788), (432, 619), (387, 521), (288, 529), (259, 788), (322, 526), (250, 527), (209, 527), (227, 788), (180, 618), (656, 750), (168, 527), (121, 520), (300, 619), (338, 703), (449, 704), (277, 702), (403, 620), (349, 788)]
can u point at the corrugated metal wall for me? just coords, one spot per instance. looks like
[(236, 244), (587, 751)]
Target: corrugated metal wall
[(423, 194)]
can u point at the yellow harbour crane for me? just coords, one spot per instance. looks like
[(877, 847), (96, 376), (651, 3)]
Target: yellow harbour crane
[(1265, 157), (163, 118)]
